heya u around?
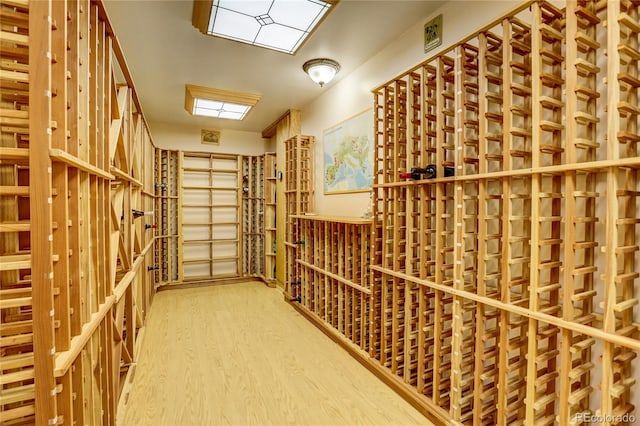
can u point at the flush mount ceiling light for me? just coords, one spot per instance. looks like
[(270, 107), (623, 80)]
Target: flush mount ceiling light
[(281, 25), (217, 103), (321, 70)]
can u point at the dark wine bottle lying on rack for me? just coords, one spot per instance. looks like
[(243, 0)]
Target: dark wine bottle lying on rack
[(139, 213), (429, 172)]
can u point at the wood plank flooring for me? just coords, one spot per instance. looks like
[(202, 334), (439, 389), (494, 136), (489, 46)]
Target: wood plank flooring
[(238, 355)]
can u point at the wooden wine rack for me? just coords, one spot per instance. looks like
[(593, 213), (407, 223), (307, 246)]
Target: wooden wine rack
[(75, 257), (506, 294), (270, 179), (253, 210), (167, 193), (298, 200), (334, 273)]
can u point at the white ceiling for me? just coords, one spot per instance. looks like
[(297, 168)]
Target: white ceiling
[(164, 52)]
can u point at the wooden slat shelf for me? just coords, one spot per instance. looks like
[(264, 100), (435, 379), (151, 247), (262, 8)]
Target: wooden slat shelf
[(208, 223), (223, 188), (17, 155), (17, 226), (338, 219), (211, 241), (335, 277), (196, 177), (20, 191), (59, 155), (212, 170), (206, 205)]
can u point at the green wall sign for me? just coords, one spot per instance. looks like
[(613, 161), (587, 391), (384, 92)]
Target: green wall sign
[(433, 33)]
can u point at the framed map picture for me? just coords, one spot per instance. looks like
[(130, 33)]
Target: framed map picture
[(348, 155)]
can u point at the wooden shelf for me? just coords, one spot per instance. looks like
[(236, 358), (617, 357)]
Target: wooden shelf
[(337, 219), (200, 175)]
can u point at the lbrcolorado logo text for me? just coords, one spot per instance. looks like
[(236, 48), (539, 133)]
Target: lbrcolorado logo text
[(609, 418)]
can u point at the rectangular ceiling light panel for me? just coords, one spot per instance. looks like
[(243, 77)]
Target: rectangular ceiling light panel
[(281, 25), (217, 103), (216, 109)]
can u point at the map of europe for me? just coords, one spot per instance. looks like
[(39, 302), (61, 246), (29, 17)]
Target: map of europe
[(348, 163)]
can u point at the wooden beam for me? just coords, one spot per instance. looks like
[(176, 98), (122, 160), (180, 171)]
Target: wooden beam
[(40, 201)]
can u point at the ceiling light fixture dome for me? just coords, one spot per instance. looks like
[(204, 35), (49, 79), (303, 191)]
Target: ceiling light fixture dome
[(321, 70)]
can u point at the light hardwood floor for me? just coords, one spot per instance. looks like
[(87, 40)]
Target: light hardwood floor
[(237, 354)]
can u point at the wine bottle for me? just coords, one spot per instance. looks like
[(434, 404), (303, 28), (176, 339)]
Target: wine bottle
[(428, 172), (139, 213)]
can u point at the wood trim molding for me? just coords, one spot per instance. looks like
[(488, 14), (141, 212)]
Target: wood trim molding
[(200, 15), (201, 92)]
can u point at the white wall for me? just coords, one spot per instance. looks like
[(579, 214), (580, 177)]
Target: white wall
[(187, 138), (352, 94)]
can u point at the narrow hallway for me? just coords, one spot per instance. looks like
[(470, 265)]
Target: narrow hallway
[(238, 355)]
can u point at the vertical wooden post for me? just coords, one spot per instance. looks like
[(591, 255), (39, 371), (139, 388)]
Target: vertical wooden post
[(40, 134), (532, 333), (611, 233), (458, 240), (506, 226)]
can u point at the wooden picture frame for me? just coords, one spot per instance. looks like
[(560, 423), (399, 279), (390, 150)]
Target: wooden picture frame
[(210, 137)]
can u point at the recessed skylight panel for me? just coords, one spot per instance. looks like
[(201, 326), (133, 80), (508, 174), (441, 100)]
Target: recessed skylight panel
[(296, 14), (285, 38), (281, 25), (233, 25)]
